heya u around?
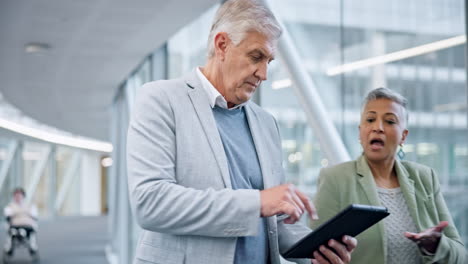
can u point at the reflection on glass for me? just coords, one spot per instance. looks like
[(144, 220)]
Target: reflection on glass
[(414, 47)]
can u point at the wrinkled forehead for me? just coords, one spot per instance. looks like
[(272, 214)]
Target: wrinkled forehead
[(258, 41)]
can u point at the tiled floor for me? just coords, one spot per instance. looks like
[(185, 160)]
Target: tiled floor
[(70, 240)]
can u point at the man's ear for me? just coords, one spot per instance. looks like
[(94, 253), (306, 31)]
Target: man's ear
[(221, 43)]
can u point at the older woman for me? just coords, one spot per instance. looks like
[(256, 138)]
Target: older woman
[(419, 228)]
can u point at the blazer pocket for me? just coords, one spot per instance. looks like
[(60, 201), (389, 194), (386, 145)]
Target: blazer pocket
[(151, 254)]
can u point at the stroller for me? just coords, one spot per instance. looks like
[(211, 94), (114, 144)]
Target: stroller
[(20, 236)]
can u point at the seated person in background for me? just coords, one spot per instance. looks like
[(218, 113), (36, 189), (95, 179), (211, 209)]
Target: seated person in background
[(21, 215), (419, 228)]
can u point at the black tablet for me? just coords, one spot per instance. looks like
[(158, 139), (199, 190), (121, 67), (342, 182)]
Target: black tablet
[(351, 221)]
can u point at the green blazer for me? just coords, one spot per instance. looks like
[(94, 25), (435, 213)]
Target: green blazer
[(352, 182)]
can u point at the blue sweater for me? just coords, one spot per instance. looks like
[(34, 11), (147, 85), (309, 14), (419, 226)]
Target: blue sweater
[(245, 173)]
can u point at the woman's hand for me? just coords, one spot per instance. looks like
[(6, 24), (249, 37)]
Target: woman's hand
[(429, 238)]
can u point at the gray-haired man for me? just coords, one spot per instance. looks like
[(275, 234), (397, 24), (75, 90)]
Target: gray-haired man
[(204, 163)]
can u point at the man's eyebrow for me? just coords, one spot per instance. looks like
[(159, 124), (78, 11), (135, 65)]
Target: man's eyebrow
[(262, 53), (257, 51)]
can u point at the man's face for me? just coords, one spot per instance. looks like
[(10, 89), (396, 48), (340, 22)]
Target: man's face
[(245, 66)]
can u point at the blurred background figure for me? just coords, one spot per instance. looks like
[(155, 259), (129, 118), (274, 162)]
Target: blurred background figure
[(22, 223)]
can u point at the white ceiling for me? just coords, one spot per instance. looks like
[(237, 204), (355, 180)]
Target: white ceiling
[(95, 44)]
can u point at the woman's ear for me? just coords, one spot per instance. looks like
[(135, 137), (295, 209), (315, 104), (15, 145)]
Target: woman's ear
[(221, 43), (404, 135)]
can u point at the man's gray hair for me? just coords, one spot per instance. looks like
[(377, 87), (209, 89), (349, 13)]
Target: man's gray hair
[(238, 17), (385, 93)]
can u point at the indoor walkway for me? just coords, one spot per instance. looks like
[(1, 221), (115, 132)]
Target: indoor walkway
[(71, 240)]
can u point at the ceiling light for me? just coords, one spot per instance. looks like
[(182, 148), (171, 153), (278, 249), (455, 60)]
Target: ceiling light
[(36, 47), (398, 55), (75, 142), (106, 162)]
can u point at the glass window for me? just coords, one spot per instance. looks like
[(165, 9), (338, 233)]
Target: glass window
[(349, 48), (414, 47), (187, 48)]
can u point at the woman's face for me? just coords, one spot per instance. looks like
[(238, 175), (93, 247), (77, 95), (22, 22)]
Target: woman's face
[(382, 129)]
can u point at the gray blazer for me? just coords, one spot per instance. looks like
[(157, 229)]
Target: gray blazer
[(179, 183)]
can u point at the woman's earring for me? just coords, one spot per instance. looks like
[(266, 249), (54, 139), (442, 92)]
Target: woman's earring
[(401, 154)]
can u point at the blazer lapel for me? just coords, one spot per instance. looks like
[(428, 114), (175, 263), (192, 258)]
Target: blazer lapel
[(252, 119), (407, 188), (366, 180), (200, 102)]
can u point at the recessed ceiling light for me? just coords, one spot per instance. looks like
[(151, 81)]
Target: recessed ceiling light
[(36, 47)]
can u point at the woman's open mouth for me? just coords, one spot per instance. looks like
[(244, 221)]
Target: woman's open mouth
[(377, 144)]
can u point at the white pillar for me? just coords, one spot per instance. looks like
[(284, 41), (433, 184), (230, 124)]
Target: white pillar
[(52, 182), (38, 171), (17, 167), (308, 96), (90, 194), (66, 190), (8, 161)]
